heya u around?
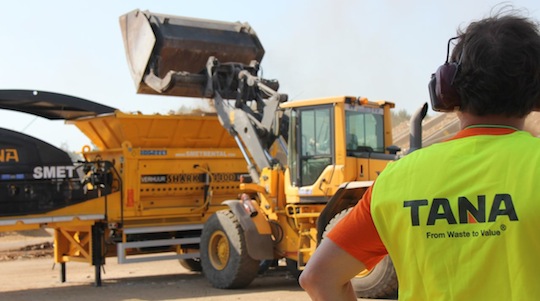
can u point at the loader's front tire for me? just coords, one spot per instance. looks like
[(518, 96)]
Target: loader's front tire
[(224, 258), (379, 282)]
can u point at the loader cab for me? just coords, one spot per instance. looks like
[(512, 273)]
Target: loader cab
[(335, 140)]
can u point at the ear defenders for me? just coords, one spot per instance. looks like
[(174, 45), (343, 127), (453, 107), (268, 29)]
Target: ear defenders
[(443, 95)]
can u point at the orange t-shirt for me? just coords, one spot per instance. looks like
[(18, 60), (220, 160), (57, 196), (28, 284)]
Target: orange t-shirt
[(348, 237)]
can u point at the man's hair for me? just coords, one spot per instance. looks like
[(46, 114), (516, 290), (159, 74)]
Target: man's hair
[(499, 70)]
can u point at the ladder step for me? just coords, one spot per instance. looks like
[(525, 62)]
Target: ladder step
[(142, 230), (148, 258), (159, 242), (122, 247)]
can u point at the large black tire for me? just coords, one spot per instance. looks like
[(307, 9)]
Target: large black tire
[(379, 282), (224, 258), (193, 265)]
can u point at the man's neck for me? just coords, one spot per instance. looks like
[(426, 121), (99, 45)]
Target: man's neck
[(467, 119)]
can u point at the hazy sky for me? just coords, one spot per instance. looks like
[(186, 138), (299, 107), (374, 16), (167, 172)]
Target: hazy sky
[(377, 49)]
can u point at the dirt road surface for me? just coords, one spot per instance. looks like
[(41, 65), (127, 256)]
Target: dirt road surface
[(34, 279), (28, 274)]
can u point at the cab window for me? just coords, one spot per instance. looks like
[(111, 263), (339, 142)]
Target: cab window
[(316, 145), (365, 130)]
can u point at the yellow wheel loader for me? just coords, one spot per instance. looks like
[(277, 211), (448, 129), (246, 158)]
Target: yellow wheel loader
[(309, 161)]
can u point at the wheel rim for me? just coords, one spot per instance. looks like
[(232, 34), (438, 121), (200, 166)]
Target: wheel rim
[(219, 251)]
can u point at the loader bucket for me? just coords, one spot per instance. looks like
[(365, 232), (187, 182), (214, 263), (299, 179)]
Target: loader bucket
[(168, 54)]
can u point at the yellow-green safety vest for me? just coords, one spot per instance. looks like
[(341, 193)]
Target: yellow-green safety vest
[(461, 219)]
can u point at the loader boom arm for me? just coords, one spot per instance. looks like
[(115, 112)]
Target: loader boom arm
[(251, 127)]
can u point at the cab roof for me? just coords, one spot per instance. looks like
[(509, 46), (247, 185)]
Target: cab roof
[(335, 99)]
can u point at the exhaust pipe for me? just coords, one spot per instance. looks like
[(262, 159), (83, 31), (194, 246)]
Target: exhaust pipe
[(415, 141)]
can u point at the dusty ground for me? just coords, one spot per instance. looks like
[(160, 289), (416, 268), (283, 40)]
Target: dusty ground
[(25, 245), (27, 273)]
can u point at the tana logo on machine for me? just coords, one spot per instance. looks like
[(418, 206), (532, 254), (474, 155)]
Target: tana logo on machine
[(9, 155)]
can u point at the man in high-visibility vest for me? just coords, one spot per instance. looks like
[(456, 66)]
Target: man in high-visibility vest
[(461, 218)]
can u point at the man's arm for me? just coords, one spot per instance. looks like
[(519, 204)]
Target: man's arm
[(328, 273)]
